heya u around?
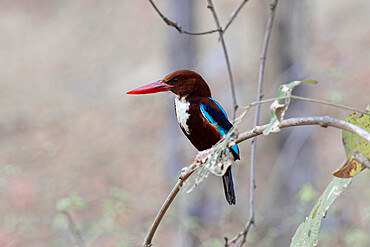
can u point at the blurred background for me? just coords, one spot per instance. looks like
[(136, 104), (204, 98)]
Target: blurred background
[(76, 152)]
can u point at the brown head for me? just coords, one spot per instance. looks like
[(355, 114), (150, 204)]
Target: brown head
[(181, 82)]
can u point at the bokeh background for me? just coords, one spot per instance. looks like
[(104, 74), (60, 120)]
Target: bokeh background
[(76, 151)]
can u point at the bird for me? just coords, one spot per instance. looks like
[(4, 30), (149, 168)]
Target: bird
[(201, 118)]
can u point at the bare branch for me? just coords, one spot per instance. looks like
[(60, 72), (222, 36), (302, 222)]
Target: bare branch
[(234, 14), (212, 9), (328, 103), (183, 177), (74, 229), (176, 25), (244, 232), (361, 158), (264, 54), (241, 234), (349, 108), (325, 121), (185, 174)]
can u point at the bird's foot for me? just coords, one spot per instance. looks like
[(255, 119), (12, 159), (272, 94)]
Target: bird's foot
[(201, 158), (197, 159)]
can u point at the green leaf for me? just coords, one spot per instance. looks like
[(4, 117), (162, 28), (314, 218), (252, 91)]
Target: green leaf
[(78, 203), (63, 204), (11, 170), (279, 106), (60, 222), (72, 202), (352, 144), (308, 232), (306, 194)]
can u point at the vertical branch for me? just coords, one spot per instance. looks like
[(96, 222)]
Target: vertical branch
[(263, 59), (221, 34), (257, 114), (258, 109), (244, 232)]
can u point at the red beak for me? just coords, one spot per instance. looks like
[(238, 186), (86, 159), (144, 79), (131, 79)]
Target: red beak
[(154, 87)]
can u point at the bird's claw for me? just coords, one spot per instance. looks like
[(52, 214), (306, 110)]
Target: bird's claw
[(200, 159)]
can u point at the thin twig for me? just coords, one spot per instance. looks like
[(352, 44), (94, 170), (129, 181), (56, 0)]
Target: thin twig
[(176, 25), (183, 177), (74, 229), (234, 14), (212, 9), (328, 103), (305, 99), (244, 232)]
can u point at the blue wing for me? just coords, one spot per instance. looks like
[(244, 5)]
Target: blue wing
[(218, 118)]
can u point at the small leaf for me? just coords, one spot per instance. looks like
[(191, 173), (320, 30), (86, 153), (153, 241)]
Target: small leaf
[(279, 106), (306, 194), (63, 204), (11, 170), (352, 144), (60, 222), (72, 202), (78, 203)]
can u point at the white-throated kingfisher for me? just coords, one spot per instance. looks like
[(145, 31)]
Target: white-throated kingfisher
[(201, 118)]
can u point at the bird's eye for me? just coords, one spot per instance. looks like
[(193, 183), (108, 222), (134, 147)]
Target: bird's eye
[(175, 80)]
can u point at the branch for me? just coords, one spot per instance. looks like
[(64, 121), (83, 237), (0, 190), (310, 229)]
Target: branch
[(328, 103), (185, 174), (361, 158), (241, 234), (220, 31), (264, 55), (183, 177), (269, 100), (234, 14), (177, 26), (74, 229), (325, 121), (244, 232)]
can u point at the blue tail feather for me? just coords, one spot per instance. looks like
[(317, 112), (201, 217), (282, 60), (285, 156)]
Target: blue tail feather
[(227, 180)]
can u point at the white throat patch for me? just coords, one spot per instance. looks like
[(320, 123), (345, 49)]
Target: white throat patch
[(182, 112)]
